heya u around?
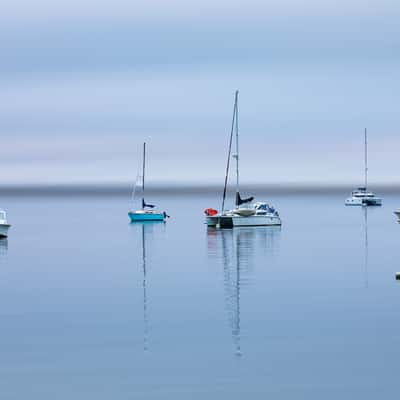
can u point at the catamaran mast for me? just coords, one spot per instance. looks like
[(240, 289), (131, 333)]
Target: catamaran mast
[(365, 158), (237, 146), (143, 172)]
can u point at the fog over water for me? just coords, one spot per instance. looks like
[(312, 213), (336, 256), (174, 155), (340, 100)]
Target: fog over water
[(83, 85)]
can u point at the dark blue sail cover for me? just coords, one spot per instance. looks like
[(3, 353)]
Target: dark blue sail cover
[(240, 201), (144, 205)]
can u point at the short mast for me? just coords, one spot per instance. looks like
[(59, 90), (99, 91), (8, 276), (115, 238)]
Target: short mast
[(143, 172), (365, 159)]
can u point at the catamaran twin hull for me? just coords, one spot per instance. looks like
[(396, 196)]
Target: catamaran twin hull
[(4, 230), (363, 201), (230, 221)]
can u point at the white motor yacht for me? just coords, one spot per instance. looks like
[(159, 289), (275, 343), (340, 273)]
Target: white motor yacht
[(4, 225), (397, 213), (245, 213), (362, 196)]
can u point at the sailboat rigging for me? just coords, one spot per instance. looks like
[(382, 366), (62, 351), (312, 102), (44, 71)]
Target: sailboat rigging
[(147, 211), (245, 212), (362, 196)]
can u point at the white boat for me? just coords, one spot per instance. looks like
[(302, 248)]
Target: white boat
[(148, 211), (397, 213), (4, 225), (246, 212), (261, 214), (362, 196)]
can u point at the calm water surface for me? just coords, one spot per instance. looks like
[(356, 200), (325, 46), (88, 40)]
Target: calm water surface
[(93, 307)]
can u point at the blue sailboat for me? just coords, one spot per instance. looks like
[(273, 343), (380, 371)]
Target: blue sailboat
[(148, 211)]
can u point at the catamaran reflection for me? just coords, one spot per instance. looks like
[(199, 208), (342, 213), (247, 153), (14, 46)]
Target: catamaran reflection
[(366, 279), (146, 230), (237, 249), (3, 246)]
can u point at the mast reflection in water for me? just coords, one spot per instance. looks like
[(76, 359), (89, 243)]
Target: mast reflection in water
[(366, 246), (3, 246), (146, 231), (237, 250)]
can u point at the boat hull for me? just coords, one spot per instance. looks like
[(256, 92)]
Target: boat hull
[(397, 214), (245, 212), (231, 221), (363, 201), (146, 216), (4, 230)]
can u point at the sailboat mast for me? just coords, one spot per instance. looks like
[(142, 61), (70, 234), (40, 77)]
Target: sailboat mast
[(365, 158), (143, 172), (229, 158), (237, 143)]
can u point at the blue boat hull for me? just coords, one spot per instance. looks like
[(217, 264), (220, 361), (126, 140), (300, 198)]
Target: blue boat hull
[(140, 217)]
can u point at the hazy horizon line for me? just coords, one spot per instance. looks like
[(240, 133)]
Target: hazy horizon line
[(108, 189)]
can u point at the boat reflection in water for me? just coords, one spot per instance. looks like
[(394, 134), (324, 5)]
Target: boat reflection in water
[(237, 250), (3, 246), (365, 210), (146, 231)]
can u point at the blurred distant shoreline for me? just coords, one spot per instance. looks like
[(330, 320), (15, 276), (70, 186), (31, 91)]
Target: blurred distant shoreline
[(181, 189)]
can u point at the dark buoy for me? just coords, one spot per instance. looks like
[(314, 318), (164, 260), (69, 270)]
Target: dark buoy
[(398, 276)]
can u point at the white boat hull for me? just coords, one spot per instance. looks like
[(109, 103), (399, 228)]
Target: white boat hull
[(257, 220), (4, 230), (236, 220), (363, 201)]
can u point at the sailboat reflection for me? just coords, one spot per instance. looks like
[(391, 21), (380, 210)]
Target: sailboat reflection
[(3, 246), (238, 249), (365, 210), (146, 231)]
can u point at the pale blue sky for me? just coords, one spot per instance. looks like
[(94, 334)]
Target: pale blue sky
[(82, 84)]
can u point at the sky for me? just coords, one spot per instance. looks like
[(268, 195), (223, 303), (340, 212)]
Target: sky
[(84, 83)]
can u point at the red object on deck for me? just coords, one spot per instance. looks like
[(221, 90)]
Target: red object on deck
[(210, 212)]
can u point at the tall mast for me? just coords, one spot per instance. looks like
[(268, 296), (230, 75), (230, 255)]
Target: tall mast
[(229, 156), (143, 172), (237, 143), (366, 158)]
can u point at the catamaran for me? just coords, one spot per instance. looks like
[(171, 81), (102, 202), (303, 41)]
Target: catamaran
[(4, 225), (362, 196), (246, 212), (397, 214), (148, 211)]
